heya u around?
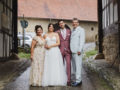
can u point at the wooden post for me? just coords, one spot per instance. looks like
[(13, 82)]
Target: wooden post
[(100, 54), (118, 2), (100, 30), (15, 7)]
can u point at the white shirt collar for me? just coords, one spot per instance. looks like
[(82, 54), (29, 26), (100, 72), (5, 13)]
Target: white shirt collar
[(63, 30)]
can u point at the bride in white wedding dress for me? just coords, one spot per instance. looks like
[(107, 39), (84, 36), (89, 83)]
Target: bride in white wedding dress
[(54, 71)]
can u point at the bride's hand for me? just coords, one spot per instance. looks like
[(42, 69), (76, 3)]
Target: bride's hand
[(47, 47)]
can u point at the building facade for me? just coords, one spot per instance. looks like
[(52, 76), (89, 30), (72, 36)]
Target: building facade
[(109, 30), (44, 11), (91, 28), (8, 28)]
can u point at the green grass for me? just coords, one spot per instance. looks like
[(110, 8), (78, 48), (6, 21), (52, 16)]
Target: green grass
[(87, 54), (24, 55), (91, 53)]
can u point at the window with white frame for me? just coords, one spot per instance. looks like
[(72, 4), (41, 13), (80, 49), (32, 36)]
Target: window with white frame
[(6, 9), (115, 12), (110, 12)]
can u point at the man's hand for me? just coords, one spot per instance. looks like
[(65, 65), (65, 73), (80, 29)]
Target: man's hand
[(79, 53)]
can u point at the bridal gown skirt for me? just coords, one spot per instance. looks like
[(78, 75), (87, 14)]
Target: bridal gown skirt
[(54, 71)]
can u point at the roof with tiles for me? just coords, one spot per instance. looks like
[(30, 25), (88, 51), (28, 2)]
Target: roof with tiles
[(84, 10)]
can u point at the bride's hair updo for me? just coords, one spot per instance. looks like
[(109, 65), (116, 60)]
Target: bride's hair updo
[(38, 26), (50, 25)]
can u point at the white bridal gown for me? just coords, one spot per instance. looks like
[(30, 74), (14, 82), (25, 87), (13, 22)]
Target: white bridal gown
[(54, 71)]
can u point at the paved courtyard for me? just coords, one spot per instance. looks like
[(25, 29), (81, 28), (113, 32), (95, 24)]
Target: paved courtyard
[(22, 83)]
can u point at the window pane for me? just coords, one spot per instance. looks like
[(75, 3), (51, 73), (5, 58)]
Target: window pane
[(8, 3), (1, 45), (1, 7), (107, 1), (0, 20), (115, 12), (111, 13), (11, 3), (6, 7), (103, 3), (103, 20), (108, 16)]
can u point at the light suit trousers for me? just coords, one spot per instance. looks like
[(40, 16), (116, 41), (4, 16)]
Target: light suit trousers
[(76, 68)]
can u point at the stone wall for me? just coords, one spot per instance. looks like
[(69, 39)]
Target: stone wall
[(111, 48), (91, 28)]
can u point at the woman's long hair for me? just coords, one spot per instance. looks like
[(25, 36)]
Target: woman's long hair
[(50, 25)]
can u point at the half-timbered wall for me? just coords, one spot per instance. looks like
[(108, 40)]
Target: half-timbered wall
[(6, 30), (110, 28)]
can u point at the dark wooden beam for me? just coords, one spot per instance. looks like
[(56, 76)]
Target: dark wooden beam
[(100, 30), (118, 1), (15, 14)]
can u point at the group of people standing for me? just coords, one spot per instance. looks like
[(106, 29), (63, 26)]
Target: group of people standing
[(57, 56)]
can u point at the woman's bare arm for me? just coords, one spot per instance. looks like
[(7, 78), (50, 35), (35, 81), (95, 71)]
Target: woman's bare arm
[(32, 47), (45, 36)]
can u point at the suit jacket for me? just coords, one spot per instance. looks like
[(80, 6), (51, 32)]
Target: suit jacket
[(77, 40), (65, 43)]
